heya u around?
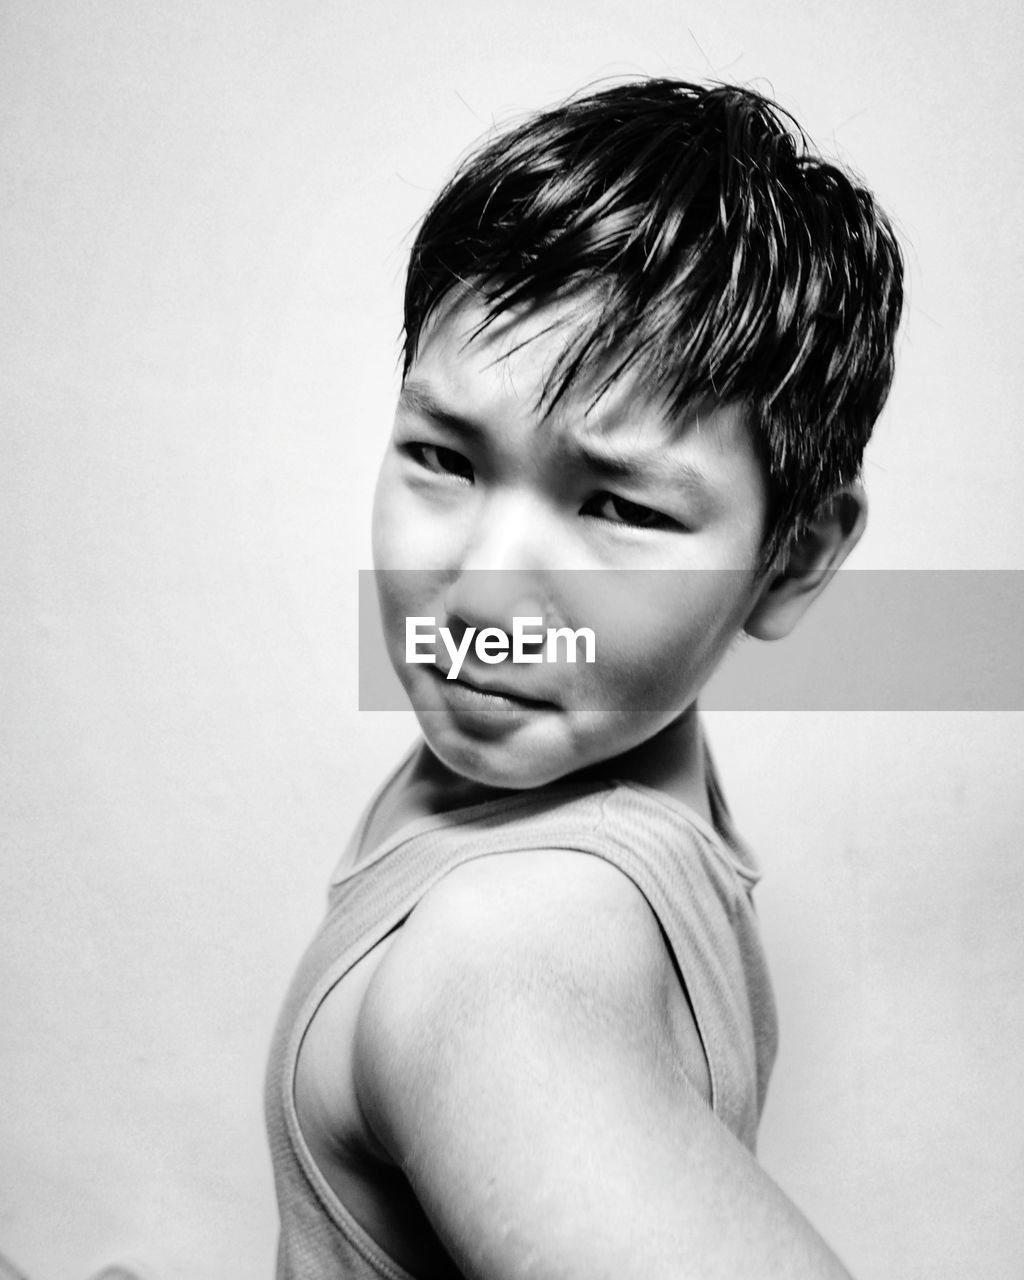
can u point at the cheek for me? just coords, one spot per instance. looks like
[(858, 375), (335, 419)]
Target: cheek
[(662, 642), (642, 665), (411, 530), (399, 536), (387, 522)]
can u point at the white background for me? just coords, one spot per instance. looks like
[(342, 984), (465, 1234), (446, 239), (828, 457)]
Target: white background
[(205, 213)]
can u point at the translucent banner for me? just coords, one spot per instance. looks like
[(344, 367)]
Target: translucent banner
[(893, 640)]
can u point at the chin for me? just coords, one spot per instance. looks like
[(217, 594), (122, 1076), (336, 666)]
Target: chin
[(506, 765)]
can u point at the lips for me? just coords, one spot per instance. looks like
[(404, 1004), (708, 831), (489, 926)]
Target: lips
[(495, 690)]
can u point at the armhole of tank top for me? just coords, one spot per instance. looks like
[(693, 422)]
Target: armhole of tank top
[(696, 1007), (683, 952), (341, 1217), (698, 1019)]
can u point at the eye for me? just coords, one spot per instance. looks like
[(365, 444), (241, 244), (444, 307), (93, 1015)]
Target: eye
[(616, 510), (441, 460)]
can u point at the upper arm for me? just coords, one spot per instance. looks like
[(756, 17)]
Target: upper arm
[(517, 1056)]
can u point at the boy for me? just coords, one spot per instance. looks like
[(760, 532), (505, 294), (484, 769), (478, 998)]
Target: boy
[(647, 337)]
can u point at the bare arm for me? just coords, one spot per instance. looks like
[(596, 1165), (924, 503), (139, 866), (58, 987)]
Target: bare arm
[(516, 1058)]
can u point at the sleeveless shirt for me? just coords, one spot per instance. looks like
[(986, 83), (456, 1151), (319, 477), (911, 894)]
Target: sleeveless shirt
[(697, 878)]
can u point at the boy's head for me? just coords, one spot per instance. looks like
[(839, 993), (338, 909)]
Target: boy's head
[(646, 335), (722, 262)]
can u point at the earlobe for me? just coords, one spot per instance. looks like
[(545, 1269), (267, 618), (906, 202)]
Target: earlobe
[(814, 555)]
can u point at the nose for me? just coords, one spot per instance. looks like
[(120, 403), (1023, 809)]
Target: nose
[(500, 575)]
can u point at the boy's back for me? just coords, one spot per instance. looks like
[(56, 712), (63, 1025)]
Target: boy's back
[(646, 339)]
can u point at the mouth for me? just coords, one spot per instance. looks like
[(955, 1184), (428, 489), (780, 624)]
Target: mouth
[(496, 694)]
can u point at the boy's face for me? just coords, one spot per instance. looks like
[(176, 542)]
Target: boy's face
[(608, 516)]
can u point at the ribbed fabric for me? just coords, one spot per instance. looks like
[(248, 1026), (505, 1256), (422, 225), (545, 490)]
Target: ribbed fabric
[(696, 878)]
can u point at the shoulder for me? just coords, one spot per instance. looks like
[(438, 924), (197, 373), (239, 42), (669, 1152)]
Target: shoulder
[(500, 917), (541, 902), (518, 1058), (533, 954)]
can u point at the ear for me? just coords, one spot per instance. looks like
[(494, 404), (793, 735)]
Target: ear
[(808, 565)]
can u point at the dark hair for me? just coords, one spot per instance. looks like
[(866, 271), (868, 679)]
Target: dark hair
[(725, 260)]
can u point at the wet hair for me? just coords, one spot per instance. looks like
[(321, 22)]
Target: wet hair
[(721, 258)]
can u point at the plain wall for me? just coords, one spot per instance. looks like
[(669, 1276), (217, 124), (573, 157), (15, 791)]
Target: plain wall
[(204, 211)]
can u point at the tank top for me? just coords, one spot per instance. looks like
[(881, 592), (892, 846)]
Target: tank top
[(697, 878)]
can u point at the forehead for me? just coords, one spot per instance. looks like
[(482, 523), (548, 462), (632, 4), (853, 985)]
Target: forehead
[(513, 355), (498, 377)]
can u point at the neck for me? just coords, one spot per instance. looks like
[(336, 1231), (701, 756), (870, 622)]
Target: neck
[(672, 762)]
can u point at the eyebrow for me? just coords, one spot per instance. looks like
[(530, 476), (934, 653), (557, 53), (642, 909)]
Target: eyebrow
[(609, 463), (418, 397)]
